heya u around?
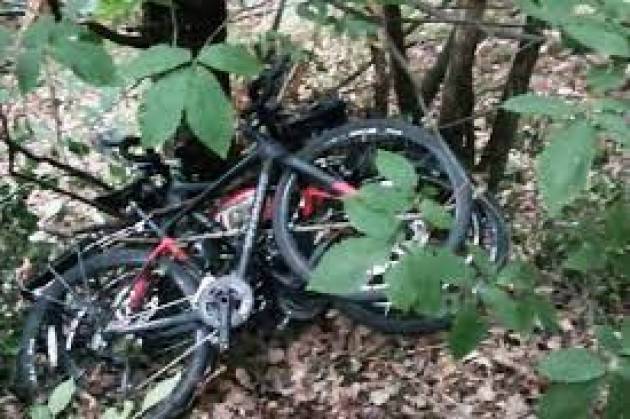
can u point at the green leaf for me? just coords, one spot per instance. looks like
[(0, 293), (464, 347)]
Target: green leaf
[(127, 409), (563, 401), (435, 214), (60, 397), (27, 69), (607, 339), (468, 331), (586, 258), (545, 312), (562, 168), (599, 36), (5, 40), (415, 283), (625, 337), (539, 105), (113, 413), (397, 169), (615, 126), (39, 411), (36, 36), (518, 316), (162, 390), (481, 260), (373, 210), (520, 275), (88, 61), (573, 365), (343, 268), (230, 58), (618, 402), (604, 79), (110, 413), (209, 112), (156, 60), (162, 106)]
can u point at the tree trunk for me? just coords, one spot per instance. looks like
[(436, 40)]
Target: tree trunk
[(433, 78), (495, 155), (381, 82), (403, 86), (458, 95)]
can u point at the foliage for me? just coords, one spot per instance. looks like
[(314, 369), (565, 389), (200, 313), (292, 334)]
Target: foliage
[(578, 375)]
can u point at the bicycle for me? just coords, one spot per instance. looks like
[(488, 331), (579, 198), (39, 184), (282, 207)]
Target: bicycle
[(188, 275)]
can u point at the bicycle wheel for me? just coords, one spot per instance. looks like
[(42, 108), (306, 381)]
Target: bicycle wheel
[(348, 152), (66, 335)]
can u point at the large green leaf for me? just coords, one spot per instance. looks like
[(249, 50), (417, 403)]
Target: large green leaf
[(160, 391), (468, 330), (618, 402), (39, 411), (539, 105), (435, 214), (88, 61), (36, 36), (61, 396), (157, 59), (397, 169), (562, 168), (607, 339), (162, 106), (599, 36), (209, 112), (5, 40), (572, 365), (343, 268), (519, 275), (625, 337), (373, 210), (27, 69), (513, 314), (614, 126), (415, 283), (231, 58), (603, 79), (587, 257), (568, 401)]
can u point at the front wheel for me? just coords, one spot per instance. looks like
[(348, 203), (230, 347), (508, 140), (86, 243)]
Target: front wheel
[(66, 338)]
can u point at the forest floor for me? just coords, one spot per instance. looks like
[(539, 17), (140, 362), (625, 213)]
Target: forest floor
[(331, 368)]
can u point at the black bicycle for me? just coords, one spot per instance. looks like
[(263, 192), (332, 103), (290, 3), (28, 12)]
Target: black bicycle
[(158, 299)]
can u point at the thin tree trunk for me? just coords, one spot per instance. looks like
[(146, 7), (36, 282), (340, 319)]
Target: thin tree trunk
[(457, 94), (381, 82), (495, 155), (433, 78), (403, 86)]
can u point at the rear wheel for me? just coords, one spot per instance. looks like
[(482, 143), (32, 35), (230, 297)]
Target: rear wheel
[(67, 335), (348, 153)]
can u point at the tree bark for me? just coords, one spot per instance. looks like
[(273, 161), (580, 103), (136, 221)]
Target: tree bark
[(403, 86), (495, 155), (381, 82), (457, 94), (433, 78)]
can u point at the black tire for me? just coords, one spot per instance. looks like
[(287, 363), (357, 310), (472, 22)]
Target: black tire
[(349, 134), (29, 379), (346, 135)]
